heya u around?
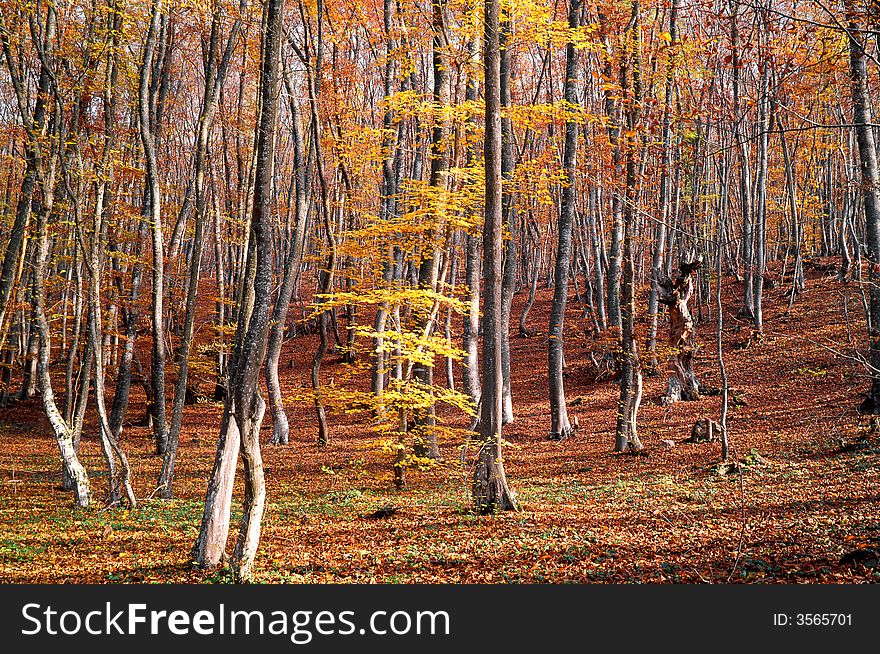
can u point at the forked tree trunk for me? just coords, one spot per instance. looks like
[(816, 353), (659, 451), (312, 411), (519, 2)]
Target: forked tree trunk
[(249, 407), (682, 383), (244, 409)]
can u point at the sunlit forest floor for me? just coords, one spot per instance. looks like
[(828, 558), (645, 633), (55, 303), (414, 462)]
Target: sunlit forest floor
[(809, 491)]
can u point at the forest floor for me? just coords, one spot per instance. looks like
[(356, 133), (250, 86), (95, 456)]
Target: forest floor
[(808, 492)]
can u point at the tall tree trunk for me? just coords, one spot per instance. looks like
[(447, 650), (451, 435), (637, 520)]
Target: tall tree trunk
[(560, 427), (390, 170), (508, 201), (280, 428), (160, 427), (425, 437), (612, 113), (214, 78), (665, 195), (626, 438), (249, 407), (870, 191), (471, 328), (489, 488), (760, 221), (745, 177)]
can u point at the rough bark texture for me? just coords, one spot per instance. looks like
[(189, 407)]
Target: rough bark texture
[(244, 411), (682, 383), (626, 437), (244, 387)]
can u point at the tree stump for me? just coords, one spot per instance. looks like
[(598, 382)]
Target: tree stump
[(704, 431), (682, 384)]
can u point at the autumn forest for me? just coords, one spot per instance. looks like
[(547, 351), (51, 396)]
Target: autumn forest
[(439, 291)]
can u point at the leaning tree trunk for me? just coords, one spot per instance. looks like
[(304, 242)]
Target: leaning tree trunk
[(73, 469), (682, 383)]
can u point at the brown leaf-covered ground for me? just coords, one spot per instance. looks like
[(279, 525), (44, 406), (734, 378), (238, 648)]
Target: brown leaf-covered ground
[(809, 490)]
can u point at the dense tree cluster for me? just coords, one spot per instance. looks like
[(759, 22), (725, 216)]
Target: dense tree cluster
[(387, 175)]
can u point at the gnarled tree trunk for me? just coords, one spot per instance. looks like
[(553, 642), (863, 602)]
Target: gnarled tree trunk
[(682, 383)]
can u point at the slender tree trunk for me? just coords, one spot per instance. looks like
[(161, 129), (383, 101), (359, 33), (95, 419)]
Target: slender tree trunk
[(870, 191), (761, 201), (510, 217), (160, 427), (630, 370), (745, 178), (560, 427), (280, 428), (471, 328), (665, 195)]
